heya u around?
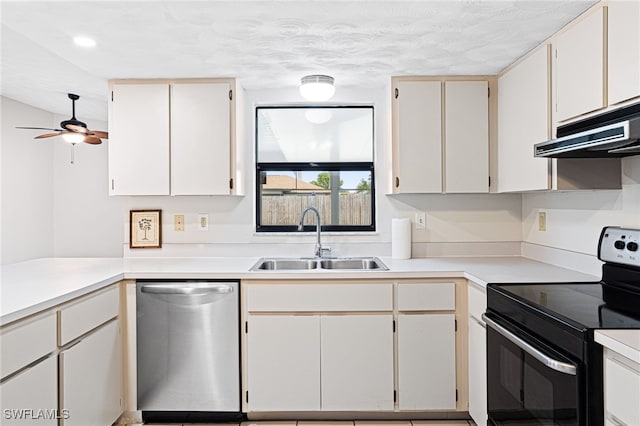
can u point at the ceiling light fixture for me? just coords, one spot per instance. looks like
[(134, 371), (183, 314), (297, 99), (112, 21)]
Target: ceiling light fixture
[(73, 137), (317, 88), (84, 41)]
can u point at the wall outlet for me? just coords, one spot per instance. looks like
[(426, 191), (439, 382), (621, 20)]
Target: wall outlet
[(421, 220), (178, 222), (542, 221), (203, 222)]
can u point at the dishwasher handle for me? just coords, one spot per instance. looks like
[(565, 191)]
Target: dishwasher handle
[(186, 289), (554, 364)]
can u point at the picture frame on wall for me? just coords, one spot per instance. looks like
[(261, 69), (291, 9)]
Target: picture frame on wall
[(145, 230)]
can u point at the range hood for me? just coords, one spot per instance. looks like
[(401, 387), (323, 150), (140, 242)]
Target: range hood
[(609, 135)]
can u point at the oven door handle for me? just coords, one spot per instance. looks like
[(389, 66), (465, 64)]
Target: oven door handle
[(554, 364)]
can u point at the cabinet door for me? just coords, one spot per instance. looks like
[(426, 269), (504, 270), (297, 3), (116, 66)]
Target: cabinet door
[(418, 137), (33, 389), (477, 372), (426, 362), (139, 139), (357, 362), (466, 136), (622, 390), (579, 68), (623, 51), (283, 363), (523, 120), (91, 378), (200, 139)]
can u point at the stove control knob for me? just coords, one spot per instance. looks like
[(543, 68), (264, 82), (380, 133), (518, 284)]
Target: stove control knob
[(631, 246), (619, 245)]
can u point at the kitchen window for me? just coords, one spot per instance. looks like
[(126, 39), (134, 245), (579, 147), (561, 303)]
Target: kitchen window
[(319, 156)]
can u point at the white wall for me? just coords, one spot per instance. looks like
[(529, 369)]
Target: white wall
[(27, 184), (451, 219), (87, 221), (49, 206), (575, 219), (69, 213)]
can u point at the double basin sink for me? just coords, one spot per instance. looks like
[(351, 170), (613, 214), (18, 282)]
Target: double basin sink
[(341, 263)]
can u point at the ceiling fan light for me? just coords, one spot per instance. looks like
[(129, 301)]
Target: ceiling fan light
[(317, 88), (73, 137)]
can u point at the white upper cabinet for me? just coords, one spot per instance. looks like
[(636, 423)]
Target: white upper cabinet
[(418, 137), (623, 51), (173, 137), (139, 139), (579, 59), (440, 136), (523, 120), (466, 155), (200, 138)]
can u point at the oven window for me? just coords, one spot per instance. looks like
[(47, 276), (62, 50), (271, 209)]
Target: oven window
[(524, 391)]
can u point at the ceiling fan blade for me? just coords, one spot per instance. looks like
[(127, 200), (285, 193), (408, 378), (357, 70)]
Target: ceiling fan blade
[(77, 129), (47, 135), (92, 140), (99, 134), (38, 128)]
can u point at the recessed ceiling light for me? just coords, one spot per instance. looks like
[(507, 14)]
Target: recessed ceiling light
[(84, 41)]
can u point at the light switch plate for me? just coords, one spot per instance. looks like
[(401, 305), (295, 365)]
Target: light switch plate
[(178, 222), (542, 221), (203, 222), (421, 220)]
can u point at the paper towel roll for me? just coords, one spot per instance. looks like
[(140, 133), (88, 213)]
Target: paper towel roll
[(401, 238)]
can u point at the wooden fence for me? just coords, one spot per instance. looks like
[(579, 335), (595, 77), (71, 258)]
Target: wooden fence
[(355, 209)]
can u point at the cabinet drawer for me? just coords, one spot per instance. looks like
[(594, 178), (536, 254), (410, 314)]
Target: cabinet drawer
[(622, 392), (26, 341), (477, 301), (87, 313), (319, 297), (426, 297)]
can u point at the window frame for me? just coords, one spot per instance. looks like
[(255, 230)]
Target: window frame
[(313, 166)]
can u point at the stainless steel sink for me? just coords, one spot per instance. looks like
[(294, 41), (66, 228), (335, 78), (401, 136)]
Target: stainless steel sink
[(340, 263), (353, 263), (284, 264)]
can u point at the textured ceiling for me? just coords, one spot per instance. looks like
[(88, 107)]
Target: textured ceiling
[(265, 44)]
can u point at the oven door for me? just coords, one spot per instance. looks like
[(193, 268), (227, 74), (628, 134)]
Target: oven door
[(529, 383)]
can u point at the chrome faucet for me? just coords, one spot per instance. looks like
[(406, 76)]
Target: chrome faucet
[(319, 250)]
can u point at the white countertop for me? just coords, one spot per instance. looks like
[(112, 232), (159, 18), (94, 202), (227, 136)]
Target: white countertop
[(624, 342), (32, 286)]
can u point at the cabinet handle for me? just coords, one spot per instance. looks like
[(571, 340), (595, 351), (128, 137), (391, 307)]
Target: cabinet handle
[(397, 182), (397, 93), (112, 184), (230, 95)]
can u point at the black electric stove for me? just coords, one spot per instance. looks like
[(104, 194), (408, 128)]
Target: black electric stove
[(544, 367)]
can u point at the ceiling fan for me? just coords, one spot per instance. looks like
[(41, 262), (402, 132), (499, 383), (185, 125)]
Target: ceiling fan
[(73, 130)]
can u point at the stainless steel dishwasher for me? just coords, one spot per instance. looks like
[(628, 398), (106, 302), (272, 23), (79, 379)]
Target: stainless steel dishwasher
[(188, 352)]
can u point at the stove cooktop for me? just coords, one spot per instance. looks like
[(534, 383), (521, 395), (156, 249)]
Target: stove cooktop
[(579, 305)]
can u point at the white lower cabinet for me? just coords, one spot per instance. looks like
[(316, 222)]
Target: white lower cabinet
[(621, 389), (31, 396), (318, 362), (477, 372), (283, 363), (477, 298), (91, 378), (342, 346), (357, 362), (426, 362)]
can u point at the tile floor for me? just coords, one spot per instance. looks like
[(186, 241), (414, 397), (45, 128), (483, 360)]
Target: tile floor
[(327, 423)]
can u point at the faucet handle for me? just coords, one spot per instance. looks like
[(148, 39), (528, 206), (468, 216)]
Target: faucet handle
[(325, 251)]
